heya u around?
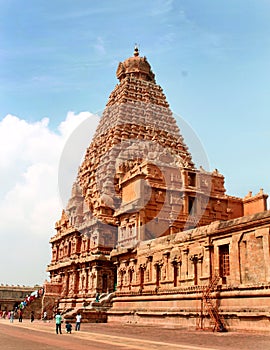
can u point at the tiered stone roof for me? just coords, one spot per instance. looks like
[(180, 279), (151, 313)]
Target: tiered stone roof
[(137, 112)]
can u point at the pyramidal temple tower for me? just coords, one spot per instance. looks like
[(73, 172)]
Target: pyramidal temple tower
[(137, 140), (137, 185)]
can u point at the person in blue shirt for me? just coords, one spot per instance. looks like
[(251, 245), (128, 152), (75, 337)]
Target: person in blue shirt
[(58, 321)]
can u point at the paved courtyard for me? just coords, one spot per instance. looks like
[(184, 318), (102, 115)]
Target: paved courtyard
[(41, 336)]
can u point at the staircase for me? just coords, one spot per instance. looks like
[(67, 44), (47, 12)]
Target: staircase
[(208, 305), (34, 306), (95, 312)]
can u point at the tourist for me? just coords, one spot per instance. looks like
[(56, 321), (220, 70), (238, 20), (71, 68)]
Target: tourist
[(20, 315), (32, 317), (58, 321), (68, 327), (45, 316), (97, 298), (11, 316), (78, 322)]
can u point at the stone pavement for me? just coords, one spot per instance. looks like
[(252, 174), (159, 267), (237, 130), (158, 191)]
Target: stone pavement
[(41, 336)]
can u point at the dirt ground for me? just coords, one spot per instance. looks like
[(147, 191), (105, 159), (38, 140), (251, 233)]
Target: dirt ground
[(41, 336)]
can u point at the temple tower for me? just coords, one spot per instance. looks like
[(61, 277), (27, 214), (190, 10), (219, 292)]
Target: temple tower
[(138, 164), (137, 182)]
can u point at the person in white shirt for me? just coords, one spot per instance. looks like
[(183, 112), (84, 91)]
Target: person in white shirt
[(78, 322)]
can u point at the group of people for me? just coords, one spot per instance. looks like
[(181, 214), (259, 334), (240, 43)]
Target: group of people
[(30, 298), (14, 313), (58, 317), (68, 325), (58, 320), (10, 315)]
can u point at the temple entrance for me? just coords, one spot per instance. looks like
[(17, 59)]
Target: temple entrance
[(141, 277), (175, 275), (157, 275), (104, 283), (224, 262), (130, 273), (195, 262)]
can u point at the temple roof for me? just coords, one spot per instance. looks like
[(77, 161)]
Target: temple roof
[(135, 66)]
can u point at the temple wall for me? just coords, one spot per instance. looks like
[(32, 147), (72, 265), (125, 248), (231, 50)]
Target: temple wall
[(242, 309), (162, 281), (256, 203)]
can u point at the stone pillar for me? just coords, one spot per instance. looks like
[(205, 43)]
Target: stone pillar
[(98, 281), (77, 274), (206, 263), (87, 279), (82, 281), (166, 266), (65, 284), (215, 262), (235, 272), (89, 284), (72, 283), (184, 269), (133, 264)]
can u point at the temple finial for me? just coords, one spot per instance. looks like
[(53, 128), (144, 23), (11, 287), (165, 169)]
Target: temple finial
[(136, 50)]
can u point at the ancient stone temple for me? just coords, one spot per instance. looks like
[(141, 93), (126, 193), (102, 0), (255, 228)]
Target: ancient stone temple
[(151, 230)]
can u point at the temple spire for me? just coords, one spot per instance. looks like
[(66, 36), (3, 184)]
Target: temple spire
[(136, 50), (135, 67)]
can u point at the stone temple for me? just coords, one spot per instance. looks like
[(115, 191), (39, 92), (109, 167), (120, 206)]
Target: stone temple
[(156, 237)]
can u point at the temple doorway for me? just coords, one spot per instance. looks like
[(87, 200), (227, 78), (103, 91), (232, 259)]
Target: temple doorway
[(104, 283), (141, 277), (157, 275)]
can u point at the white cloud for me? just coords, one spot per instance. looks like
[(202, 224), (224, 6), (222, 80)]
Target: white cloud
[(71, 122), (29, 202)]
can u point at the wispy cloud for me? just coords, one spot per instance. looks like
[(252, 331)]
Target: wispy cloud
[(100, 46), (72, 15), (162, 7)]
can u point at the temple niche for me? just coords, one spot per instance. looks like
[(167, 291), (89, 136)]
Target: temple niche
[(143, 220)]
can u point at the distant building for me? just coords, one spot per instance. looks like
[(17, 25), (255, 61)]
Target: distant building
[(11, 296), (148, 226)]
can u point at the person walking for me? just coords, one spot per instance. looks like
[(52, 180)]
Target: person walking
[(58, 321), (20, 315), (78, 322), (32, 317), (45, 316), (11, 318)]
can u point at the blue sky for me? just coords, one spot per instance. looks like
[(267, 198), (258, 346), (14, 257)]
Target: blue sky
[(58, 61)]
